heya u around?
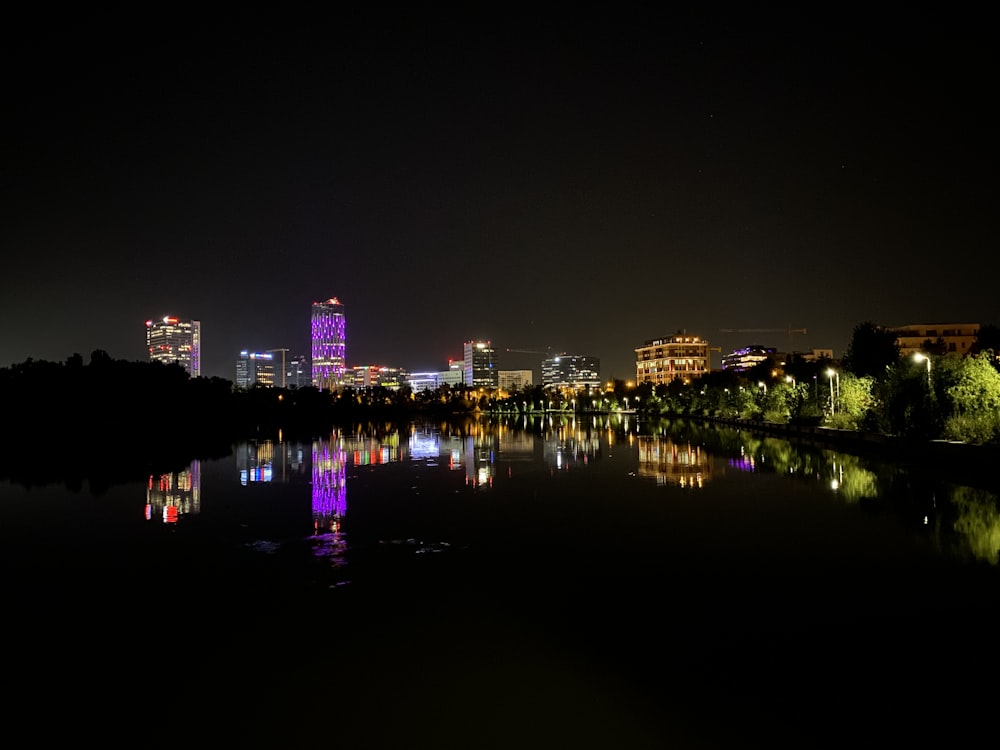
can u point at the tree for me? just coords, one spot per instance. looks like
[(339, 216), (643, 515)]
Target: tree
[(855, 399), (969, 389), (873, 348), (988, 340)]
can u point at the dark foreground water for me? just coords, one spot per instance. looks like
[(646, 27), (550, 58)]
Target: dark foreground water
[(554, 584)]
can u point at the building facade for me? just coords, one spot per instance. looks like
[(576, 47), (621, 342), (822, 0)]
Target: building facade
[(481, 365), (939, 338), (679, 357), (368, 376), (514, 380), (741, 360), (255, 368), (328, 334), (175, 341), (298, 374), (571, 371)]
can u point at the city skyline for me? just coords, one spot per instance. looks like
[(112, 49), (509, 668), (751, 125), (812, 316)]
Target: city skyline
[(580, 183)]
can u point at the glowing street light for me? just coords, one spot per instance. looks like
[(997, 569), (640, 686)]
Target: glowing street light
[(921, 357), (831, 373)]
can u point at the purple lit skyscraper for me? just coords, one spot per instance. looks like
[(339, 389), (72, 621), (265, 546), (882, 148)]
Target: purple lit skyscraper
[(329, 344)]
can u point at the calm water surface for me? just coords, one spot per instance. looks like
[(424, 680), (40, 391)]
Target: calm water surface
[(570, 583)]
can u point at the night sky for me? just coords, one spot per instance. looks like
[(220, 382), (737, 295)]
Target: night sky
[(580, 183)]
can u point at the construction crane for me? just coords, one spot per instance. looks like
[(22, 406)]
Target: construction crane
[(546, 353), (789, 331)]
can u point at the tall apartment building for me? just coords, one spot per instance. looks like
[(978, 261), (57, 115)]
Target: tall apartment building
[(481, 365), (675, 357), (255, 368), (328, 334), (175, 341), (574, 371)]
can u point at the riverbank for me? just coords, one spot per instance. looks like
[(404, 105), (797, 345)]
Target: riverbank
[(961, 462)]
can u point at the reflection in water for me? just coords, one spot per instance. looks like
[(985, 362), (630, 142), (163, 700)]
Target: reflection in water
[(978, 522), (266, 461), (472, 452), (668, 462), (842, 473), (675, 453), (368, 449), (171, 495), (567, 446), (329, 483), (255, 462), (852, 481), (329, 502)]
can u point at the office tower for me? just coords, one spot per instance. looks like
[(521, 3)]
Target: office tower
[(329, 344), (480, 365), (297, 374), (255, 368), (171, 340), (280, 367), (571, 371)]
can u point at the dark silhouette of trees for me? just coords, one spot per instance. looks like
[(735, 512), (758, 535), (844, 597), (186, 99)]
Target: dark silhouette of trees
[(871, 350), (988, 340)]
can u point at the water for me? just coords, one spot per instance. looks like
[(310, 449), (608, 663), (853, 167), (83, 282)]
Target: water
[(554, 583)]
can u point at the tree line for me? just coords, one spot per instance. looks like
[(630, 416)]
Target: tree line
[(116, 410)]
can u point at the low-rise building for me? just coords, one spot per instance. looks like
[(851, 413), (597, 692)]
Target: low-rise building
[(678, 357), (514, 380), (937, 338), (741, 360)]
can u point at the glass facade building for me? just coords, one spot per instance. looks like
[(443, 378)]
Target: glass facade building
[(328, 335), (571, 371), (255, 368), (481, 365), (174, 341), (297, 372)]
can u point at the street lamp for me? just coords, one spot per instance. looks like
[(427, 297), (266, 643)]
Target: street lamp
[(921, 357), (831, 373)]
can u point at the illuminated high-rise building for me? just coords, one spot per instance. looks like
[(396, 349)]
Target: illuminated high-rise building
[(174, 341), (255, 368), (481, 365), (297, 371), (574, 371), (329, 344)]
